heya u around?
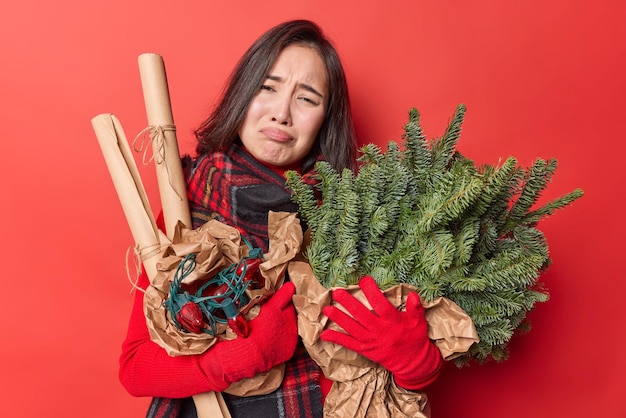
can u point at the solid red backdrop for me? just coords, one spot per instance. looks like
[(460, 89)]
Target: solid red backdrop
[(539, 78)]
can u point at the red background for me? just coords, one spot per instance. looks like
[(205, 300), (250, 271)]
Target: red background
[(539, 78)]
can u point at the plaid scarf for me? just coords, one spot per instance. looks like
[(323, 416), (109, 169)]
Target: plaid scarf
[(234, 188)]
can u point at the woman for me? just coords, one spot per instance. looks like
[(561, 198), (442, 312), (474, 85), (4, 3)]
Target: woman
[(285, 106)]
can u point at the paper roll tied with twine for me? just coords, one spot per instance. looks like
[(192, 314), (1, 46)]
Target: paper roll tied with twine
[(162, 132), (130, 190), (170, 178)]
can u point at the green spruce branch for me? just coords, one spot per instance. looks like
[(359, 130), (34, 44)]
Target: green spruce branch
[(426, 215)]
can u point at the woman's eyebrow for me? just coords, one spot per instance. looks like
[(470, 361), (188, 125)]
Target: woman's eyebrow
[(305, 86)]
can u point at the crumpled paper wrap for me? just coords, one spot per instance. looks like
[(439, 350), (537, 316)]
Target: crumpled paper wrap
[(361, 387), (217, 246)]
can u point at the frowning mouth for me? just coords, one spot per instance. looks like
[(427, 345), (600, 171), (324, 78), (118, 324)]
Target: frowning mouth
[(276, 134)]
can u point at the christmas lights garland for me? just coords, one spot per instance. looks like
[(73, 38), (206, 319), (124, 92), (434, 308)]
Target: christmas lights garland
[(218, 300)]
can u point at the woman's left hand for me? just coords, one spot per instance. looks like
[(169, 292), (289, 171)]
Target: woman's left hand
[(396, 340)]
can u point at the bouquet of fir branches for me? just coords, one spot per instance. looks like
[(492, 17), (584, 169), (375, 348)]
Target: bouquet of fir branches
[(426, 217)]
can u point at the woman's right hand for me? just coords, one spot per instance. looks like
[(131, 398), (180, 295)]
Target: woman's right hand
[(272, 340)]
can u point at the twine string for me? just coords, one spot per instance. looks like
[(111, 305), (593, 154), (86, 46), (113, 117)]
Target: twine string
[(136, 259), (152, 134), (155, 135)]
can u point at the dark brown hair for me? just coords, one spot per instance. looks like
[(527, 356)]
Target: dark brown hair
[(335, 141)]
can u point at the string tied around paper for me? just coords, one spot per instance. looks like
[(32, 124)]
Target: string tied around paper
[(155, 135), (139, 255)]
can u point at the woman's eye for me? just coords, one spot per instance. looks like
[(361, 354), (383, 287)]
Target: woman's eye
[(308, 100), (266, 87)]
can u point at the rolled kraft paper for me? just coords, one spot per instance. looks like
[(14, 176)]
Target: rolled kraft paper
[(130, 190), (170, 177), (211, 405)]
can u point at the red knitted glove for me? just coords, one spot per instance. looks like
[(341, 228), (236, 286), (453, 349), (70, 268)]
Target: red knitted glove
[(272, 340), (147, 370), (396, 340)]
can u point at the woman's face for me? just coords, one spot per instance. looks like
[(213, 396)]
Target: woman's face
[(284, 117)]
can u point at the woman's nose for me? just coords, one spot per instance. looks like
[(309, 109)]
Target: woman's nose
[(281, 112)]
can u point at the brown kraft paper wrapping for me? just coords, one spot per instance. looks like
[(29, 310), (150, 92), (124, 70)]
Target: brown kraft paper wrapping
[(362, 388), (217, 246)]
